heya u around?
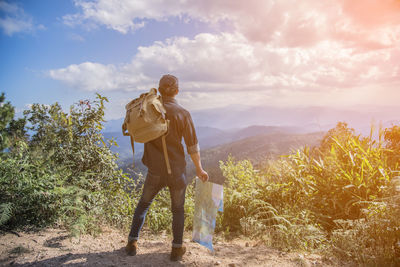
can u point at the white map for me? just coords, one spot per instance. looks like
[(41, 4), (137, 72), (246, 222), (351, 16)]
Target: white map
[(208, 200)]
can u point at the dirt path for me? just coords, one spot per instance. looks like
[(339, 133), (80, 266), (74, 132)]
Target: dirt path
[(53, 247)]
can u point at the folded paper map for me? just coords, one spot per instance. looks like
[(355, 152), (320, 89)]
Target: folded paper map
[(208, 200)]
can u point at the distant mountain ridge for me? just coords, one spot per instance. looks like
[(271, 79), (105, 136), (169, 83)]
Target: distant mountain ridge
[(258, 133), (208, 137), (258, 149), (310, 119), (265, 146), (257, 143)]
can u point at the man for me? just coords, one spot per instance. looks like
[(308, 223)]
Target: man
[(180, 125)]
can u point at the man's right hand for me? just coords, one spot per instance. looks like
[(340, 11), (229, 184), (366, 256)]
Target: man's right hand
[(202, 174)]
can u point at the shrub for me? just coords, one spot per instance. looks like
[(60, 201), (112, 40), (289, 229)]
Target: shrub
[(341, 196), (335, 181), (239, 194), (373, 240), (259, 208), (11, 130), (64, 173)]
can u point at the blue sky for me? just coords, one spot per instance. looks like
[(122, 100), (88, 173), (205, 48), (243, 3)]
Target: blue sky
[(338, 53), (27, 55)]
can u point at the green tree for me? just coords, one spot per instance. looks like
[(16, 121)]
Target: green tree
[(65, 173), (10, 130)]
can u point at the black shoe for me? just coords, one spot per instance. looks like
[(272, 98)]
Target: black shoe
[(177, 253)]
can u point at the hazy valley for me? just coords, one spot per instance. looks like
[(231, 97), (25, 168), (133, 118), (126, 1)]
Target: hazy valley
[(256, 143)]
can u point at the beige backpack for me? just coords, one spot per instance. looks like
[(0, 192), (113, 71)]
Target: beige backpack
[(145, 121)]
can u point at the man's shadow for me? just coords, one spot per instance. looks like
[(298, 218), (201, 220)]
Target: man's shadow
[(113, 258)]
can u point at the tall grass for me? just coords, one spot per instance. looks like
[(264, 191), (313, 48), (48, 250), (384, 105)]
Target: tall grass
[(339, 198)]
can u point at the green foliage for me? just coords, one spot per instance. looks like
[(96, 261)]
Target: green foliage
[(10, 129), (5, 212), (373, 239), (336, 183), (240, 193), (342, 196), (256, 208), (65, 173), (27, 185), (74, 141), (6, 116)]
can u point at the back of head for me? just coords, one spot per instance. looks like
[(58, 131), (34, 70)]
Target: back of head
[(168, 85)]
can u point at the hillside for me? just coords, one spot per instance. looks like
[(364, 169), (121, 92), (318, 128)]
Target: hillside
[(208, 137), (255, 148), (211, 137), (256, 143), (260, 147)]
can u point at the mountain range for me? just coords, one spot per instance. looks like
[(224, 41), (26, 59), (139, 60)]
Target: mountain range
[(305, 119), (208, 137), (257, 143), (258, 148), (258, 133)]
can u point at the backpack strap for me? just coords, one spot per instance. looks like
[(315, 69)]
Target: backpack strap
[(126, 133), (164, 143), (133, 150)]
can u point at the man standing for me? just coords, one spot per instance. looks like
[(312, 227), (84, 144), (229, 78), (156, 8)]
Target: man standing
[(180, 125)]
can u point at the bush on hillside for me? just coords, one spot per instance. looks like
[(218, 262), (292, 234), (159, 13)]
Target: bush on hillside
[(11, 130), (64, 174), (257, 208), (339, 195)]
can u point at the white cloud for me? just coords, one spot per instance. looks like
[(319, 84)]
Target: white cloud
[(12, 25), (282, 43), (280, 52), (15, 20), (229, 62), (96, 77), (284, 23), (210, 61), (76, 37)]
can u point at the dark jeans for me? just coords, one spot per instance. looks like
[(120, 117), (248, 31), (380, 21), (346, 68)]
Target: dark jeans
[(153, 184)]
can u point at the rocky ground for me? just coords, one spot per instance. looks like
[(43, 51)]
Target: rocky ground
[(53, 247)]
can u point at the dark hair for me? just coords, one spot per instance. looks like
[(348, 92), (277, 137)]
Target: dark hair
[(168, 85)]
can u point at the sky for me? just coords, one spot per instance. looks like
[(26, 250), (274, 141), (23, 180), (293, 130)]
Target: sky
[(286, 53)]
